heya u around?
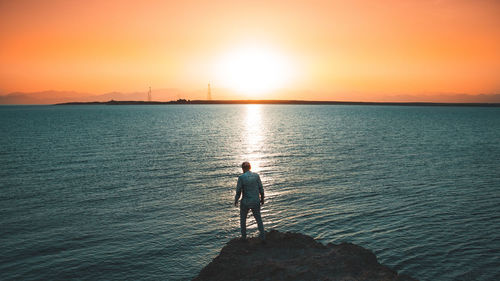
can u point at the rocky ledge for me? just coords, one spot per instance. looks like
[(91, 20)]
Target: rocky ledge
[(294, 256)]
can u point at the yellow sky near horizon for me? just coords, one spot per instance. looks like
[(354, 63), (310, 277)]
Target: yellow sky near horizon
[(316, 50)]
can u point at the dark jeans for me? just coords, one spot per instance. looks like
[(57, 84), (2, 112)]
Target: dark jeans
[(255, 207)]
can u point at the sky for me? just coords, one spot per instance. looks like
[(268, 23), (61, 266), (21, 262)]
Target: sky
[(311, 50)]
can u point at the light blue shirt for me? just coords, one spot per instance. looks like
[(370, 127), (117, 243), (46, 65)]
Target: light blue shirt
[(250, 184)]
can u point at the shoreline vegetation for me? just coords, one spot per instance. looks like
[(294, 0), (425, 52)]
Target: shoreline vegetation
[(298, 102)]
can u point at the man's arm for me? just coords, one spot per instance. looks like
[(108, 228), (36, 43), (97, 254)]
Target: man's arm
[(261, 190), (238, 192)]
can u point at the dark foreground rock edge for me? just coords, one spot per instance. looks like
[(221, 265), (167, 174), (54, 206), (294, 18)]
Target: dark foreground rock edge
[(295, 256)]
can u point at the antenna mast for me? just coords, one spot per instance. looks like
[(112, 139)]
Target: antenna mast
[(149, 94)]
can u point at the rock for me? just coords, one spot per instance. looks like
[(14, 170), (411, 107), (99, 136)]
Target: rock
[(294, 256)]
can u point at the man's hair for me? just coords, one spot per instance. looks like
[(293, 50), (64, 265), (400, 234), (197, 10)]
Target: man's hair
[(246, 165)]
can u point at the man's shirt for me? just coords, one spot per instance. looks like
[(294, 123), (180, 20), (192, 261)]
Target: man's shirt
[(249, 183)]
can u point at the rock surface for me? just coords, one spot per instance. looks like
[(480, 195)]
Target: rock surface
[(294, 256)]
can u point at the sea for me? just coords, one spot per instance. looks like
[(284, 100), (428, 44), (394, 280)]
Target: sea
[(146, 192)]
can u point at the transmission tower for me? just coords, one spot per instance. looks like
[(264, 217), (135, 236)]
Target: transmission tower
[(209, 93), (149, 94)]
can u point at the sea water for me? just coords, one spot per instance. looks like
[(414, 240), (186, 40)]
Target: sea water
[(146, 192)]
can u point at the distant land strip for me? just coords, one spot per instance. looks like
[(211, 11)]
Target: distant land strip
[(183, 101)]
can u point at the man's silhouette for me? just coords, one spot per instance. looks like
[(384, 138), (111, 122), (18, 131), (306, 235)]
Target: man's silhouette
[(250, 184)]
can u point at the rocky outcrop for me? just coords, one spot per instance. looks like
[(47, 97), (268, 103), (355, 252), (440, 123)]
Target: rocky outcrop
[(294, 256)]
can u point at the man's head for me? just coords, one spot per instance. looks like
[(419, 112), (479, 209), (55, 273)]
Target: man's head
[(246, 166)]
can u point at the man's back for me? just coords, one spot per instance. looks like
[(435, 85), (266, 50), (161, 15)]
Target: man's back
[(250, 184)]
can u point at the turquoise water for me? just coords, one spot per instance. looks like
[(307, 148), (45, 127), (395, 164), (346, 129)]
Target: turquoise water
[(146, 192)]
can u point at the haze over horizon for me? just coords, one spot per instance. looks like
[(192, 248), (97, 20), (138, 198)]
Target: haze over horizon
[(430, 51)]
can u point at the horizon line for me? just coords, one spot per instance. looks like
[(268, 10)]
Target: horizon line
[(279, 101)]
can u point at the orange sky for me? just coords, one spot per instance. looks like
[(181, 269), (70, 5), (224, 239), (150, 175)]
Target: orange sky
[(335, 50)]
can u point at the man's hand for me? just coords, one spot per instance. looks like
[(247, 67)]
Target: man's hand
[(236, 203)]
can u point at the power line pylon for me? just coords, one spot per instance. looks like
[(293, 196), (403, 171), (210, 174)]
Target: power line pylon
[(209, 93)]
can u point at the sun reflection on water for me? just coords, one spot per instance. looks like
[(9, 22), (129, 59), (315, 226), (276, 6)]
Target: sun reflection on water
[(255, 150), (253, 136)]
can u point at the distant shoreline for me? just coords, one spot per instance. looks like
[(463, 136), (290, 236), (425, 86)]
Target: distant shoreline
[(298, 102)]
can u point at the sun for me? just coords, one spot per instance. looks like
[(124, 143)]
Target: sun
[(253, 70)]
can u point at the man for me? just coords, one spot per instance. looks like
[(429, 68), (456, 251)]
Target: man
[(250, 184)]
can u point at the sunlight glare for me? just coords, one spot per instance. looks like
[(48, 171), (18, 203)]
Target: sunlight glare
[(253, 70)]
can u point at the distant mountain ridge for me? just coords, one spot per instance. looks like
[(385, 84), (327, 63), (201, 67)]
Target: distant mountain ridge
[(170, 94), (52, 97)]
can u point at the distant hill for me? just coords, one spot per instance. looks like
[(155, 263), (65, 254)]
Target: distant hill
[(53, 97), (170, 94)]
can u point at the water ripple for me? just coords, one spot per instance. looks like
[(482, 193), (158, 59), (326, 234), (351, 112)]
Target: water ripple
[(145, 192)]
